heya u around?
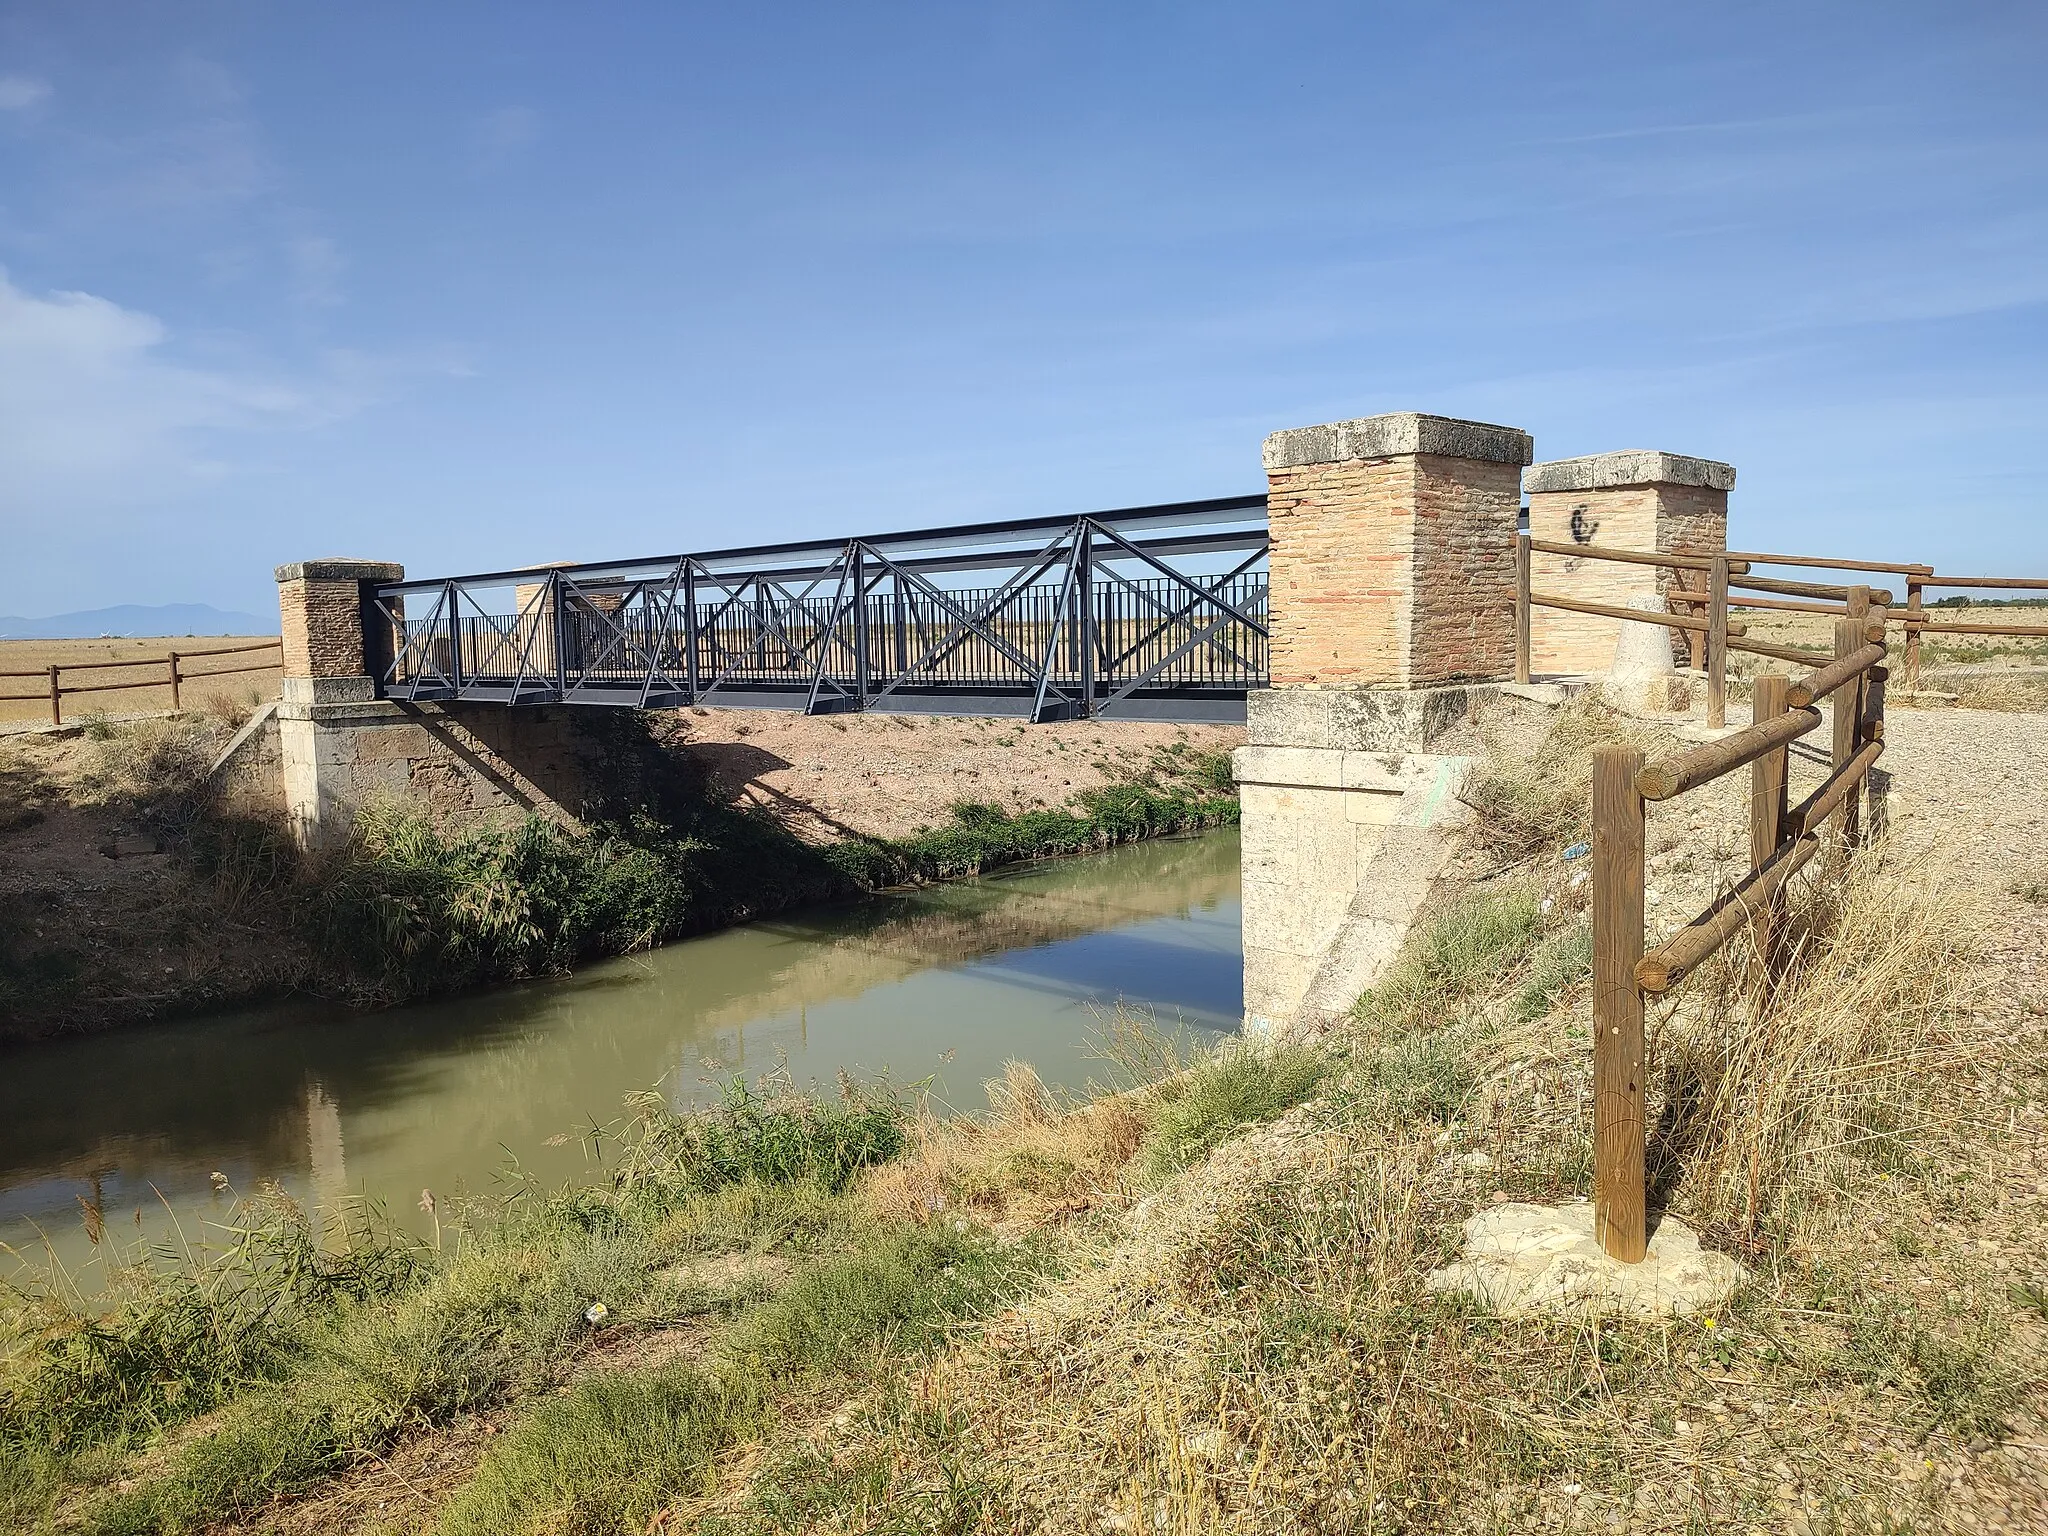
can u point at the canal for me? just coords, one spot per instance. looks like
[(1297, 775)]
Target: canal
[(937, 987)]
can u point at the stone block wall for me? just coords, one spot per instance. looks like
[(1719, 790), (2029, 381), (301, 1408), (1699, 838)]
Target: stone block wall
[(1342, 839), (465, 766)]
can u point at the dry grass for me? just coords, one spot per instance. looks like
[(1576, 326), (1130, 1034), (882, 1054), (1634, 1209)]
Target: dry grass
[(1034, 1162), (1530, 794), (2016, 694), (1251, 1347), (1776, 1116), (229, 695)]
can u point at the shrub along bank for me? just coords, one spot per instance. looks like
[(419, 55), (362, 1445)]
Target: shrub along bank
[(408, 907)]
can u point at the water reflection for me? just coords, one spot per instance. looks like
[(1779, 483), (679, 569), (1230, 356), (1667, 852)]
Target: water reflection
[(944, 983)]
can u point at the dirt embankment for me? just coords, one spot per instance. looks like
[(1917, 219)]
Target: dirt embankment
[(828, 776), (117, 904)]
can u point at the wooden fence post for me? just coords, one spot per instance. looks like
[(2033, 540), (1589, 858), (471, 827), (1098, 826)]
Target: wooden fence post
[(176, 705), (1915, 611), (1619, 1217), (1767, 813), (1521, 607), (56, 696), (1717, 642), (1848, 712)]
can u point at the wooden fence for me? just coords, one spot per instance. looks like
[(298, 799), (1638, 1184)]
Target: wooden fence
[(1706, 590), (1781, 842), (175, 676)]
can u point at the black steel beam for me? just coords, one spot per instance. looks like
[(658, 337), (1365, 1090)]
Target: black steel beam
[(1245, 509)]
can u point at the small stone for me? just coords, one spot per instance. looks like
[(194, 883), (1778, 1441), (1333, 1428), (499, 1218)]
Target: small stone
[(1479, 1162)]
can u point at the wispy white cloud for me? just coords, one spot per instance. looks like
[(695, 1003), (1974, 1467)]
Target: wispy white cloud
[(505, 130), (317, 265), (99, 411), (19, 93)]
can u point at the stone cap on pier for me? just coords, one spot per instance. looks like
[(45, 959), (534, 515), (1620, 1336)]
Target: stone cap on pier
[(336, 569), (1629, 466), (1402, 432)]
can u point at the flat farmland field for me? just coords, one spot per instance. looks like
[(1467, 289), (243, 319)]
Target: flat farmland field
[(28, 698)]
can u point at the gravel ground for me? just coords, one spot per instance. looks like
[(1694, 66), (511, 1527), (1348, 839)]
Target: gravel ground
[(1965, 791)]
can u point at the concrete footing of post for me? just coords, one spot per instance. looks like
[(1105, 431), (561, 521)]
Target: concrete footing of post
[(1521, 1259)]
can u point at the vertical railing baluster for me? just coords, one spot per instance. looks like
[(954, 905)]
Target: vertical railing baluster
[(857, 557)]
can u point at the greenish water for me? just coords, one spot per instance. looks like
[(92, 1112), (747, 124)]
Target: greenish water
[(945, 983)]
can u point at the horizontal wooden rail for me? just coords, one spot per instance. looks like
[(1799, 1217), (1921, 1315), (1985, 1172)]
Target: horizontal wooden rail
[(1790, 605), (1818, 685), (1936, 627), (1676, 774), (1792, 653), (2005, 583), (1683, 953), (1830, 563), (140, 682), (1630, 615), (234, 650), (150, 661), (194, 677), (1819, 589), (174, 676), (1808, 816), (1667, 560)]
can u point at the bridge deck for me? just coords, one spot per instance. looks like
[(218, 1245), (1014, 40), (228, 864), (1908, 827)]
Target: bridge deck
[(1153, 612)]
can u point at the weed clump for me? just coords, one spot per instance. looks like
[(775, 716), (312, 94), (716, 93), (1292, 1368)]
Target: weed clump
[(1235, 1087), (1453, 960), (983, 836), (1529, 800), (778, 1136), (416, 908)]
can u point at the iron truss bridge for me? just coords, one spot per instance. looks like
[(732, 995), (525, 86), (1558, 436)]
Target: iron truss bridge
[(1151, 612)]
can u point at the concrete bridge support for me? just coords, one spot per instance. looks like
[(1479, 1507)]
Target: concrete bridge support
[(344, 749), (1393, 591)]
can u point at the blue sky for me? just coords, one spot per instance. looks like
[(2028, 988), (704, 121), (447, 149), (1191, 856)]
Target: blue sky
[(473, 285)]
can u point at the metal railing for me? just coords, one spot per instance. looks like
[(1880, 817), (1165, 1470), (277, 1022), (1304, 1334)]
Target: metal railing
[(1157, 611)]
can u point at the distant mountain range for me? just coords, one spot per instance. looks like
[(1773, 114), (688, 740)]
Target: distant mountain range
[(137, 619)]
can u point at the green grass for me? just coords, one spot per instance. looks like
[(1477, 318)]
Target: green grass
[(1224, 1093), (606, 1457), (1456, 959), (304, 1362), (983, 837), (779, 1137), (1560, 962), (618, 1448)]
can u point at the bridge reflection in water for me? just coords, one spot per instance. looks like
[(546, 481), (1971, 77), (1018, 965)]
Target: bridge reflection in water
[(1153, 612)]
